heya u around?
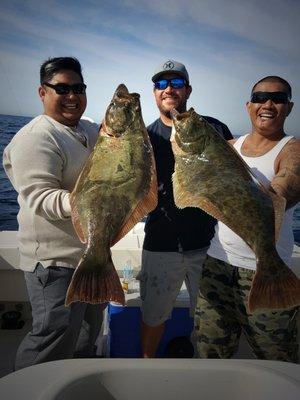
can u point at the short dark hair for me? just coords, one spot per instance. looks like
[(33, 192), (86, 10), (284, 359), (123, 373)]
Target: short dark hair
[(52, 66), (274, 78)]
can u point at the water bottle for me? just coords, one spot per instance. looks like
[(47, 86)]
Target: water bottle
[(127, 276)]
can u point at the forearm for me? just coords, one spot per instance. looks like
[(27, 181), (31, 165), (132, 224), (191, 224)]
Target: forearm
[(51, 203)]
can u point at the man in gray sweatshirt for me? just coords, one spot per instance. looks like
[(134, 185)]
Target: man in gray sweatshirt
[(43, 162)]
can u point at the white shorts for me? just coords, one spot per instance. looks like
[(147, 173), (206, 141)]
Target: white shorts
[(161, 277)]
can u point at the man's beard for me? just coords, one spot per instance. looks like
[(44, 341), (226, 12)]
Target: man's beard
[(181, 108)]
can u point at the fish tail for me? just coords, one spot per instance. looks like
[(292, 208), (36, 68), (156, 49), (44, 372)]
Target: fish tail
[(277, 290), (95, 284)]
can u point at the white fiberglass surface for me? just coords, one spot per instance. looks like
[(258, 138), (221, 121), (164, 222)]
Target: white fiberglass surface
[(206, 383), (154, 379)]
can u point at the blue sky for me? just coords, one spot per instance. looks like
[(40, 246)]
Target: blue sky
[(226, 45)]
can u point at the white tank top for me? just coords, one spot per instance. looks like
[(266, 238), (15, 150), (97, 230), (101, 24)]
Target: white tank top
[(229, 247)]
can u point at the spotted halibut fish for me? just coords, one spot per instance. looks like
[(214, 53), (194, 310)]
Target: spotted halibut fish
[(209, 174), (116, 188)]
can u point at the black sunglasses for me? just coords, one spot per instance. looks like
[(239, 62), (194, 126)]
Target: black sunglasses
[(175, 83), (275, 97), (64, 88)]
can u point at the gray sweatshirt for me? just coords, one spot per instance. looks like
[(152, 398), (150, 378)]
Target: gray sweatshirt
[(43, 162)]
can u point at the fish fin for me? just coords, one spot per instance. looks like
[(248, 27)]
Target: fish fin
[(279, 204), (94, 285), (186, 199), (102, 130), (277, 291), (147, 204), (76, 221)]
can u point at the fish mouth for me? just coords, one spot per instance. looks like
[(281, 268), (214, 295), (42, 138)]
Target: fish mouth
[(121, 95), (176, 115), (110, 134), (123, 98), (183, 132), (120, 114), (121, 90)]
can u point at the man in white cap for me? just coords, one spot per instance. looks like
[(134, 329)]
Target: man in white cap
[(176, 240)]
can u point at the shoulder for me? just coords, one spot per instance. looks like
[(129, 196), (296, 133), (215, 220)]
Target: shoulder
[(35, 123), (286, 181), (41, 123), (89, 123), (90, 126), (289, 157), (294, 142), (219, 126), (158, 130), (240, 139), (291, 147), (28, 131), (91, 130), (152, 128), (28, 142), (39, 134)]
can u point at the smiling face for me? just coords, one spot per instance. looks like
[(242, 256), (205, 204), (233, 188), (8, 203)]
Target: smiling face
[(67, 108), (170, 98), (268, 118)]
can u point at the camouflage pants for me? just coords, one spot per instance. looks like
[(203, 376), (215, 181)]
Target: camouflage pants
[(221, 315)]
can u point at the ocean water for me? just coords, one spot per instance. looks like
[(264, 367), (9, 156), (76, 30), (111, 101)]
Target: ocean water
[(9, 125)]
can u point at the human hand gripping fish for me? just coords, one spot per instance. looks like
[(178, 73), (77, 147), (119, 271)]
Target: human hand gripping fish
[(210, 174), (116, 189)]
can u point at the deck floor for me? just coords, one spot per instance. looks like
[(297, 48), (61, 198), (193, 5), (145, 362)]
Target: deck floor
[(11, 338), (9, 342)]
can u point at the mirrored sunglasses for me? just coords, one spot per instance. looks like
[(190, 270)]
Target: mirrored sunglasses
[(175, 83), (275, 97), (64, 88)]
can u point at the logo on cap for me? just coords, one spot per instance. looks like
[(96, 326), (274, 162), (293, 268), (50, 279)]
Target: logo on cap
[(168, 65)]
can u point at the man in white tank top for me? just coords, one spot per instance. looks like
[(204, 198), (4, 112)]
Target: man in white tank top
[(221, 313)]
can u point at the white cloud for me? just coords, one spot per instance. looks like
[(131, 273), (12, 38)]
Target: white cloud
[(272, 23), (226, 46)]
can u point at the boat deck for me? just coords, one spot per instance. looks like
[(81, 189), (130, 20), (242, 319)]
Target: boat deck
[(13, 295), (11, 338)]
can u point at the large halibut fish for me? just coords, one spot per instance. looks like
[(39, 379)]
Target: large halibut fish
[(116, 188), (210, 174)]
